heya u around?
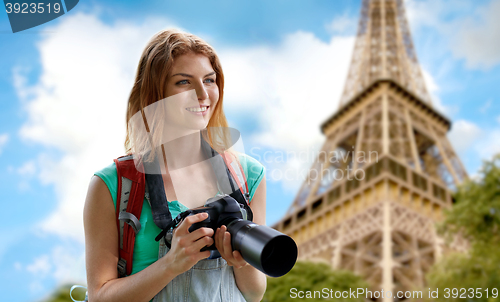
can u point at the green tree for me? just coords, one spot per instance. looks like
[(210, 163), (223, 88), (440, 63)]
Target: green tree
[(308, 276), (476, 217)]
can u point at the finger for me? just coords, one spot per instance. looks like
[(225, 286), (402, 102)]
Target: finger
[(237, 256), (217, 239), (201, 243), (205, 255), (199, 233), (188, 239), (201, 255), (228, 249), (239, 259), (183, 228), (233, 258), (221, 241)]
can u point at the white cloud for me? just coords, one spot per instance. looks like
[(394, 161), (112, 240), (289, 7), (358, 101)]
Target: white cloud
[(63, 264), (436, 14), (430, 83), (490, 146), (69, 264), (40, 267), (27, 169), (432, 89), (478, 37), (419, 13), (4, 138), (468, 30), (463, 135), (343, 24), (466, 136)]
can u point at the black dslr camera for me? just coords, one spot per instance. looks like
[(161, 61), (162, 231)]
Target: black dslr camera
[(266, 249)]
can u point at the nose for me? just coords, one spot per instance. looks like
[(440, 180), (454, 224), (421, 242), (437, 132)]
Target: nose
[(201, 92)]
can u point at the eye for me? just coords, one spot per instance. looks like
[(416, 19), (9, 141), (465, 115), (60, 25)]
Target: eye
[(182, 82), (209, 80)]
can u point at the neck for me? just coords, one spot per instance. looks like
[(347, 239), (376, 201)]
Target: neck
[(183, 151)]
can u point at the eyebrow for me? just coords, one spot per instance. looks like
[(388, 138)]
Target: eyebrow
[(190, 76)]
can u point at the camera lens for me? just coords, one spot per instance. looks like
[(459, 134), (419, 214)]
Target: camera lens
[(266, 249)]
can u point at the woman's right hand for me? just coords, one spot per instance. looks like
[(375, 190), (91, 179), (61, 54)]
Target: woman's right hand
[(185, 248)]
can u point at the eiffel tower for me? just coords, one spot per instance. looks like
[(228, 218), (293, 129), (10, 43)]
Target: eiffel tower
[(398, 167)]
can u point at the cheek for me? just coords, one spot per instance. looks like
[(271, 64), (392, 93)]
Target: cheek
[(214, 100), (214, 96)]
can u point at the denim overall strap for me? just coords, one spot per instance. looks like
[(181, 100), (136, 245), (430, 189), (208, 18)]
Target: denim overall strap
[(209, 280)]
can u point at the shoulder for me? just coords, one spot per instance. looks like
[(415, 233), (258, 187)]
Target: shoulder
[(252, 167), (109, 176), (254, 172), (107, 171)]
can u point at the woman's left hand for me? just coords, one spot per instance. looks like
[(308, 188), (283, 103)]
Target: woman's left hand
[(223, 243)]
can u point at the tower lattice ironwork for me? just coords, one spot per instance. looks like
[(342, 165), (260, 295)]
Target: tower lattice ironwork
[(386, 170)]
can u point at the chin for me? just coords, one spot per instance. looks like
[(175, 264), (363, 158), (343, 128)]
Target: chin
[(198, 126)]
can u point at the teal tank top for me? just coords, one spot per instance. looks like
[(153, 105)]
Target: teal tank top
[(146, 248)]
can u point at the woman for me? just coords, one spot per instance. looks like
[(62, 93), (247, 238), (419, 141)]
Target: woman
[(174, 66)]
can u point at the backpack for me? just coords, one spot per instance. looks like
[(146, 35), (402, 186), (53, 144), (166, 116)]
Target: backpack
[(132, 188)]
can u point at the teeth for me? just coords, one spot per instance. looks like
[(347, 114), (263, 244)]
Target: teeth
[(197, 109)]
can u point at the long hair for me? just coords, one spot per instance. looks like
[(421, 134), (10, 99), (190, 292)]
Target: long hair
[(151, 78)]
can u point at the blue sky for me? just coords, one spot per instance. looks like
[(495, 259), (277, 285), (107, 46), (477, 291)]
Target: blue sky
[(64, 85)]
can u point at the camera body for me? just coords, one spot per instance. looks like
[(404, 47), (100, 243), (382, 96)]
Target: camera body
[(221, 210)]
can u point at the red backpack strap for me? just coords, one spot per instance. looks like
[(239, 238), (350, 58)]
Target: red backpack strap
[(237, 172), (131, 190)]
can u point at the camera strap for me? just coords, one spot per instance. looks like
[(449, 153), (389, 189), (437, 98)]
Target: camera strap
[(172, 225), (157, 195)]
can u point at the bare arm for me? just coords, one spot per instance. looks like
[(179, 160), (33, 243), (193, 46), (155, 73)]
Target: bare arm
[(101, 252), (250, 281)]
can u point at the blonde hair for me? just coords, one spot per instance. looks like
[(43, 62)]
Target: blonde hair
[(151, 78)]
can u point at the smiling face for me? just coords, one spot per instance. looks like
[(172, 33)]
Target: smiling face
[(175, 66), (191, 74)]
